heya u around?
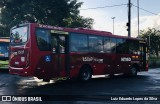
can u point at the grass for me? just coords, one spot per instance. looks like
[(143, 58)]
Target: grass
[(154, 61), (4, 64)]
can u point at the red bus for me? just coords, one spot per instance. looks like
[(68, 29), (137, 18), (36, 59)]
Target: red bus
[(50, 52)]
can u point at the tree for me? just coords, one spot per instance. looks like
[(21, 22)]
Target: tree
[(62, 13), (154, 40), (79, 21)]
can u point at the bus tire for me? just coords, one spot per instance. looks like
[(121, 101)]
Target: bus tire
[(133, 71), (85, 74)]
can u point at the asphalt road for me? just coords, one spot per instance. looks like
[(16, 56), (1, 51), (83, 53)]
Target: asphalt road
[(98, 90)]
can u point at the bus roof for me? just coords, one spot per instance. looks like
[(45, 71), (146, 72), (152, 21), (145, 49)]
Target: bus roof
[(87, 31), (82, 31)]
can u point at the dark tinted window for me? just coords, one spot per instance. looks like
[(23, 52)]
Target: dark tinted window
[(43, 39), (107, 45), (79, 43), (133, 46), (125, 47), (120, 46), (96, 44), (113, 44)]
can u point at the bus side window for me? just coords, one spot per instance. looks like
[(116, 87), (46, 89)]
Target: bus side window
[(99, 45), (43, 40), (79, 42), (74, 47), (107, 45), (119, 47), (91, 40), (113, 45), (96, 44), (133, 47), (74, 44)]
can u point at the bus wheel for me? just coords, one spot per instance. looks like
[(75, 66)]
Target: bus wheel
[(85, 74), (133, 71)]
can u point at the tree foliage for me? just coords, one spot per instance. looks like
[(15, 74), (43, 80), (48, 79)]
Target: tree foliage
[(154, 40), (62, 13)]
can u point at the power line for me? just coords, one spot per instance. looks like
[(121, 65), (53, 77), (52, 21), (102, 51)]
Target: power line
[(104, 7), (120, 5), (146, 10)]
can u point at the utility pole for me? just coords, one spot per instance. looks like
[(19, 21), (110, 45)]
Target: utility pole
[(129, 19), (138, 15), (149, 42), (113, 23)]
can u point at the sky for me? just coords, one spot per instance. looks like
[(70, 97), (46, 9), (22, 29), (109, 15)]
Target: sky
[(103, 16)]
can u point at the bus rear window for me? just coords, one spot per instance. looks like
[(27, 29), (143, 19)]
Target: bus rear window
[(19, 35)]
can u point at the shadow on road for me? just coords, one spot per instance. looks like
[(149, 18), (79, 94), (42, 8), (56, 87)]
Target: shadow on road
[(73, 90), (96, 86), (4, 70), (97, 89)]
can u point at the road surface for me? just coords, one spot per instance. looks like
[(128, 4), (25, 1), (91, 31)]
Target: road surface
[(98, 90)]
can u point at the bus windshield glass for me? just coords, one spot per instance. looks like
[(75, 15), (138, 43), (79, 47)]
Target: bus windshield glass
[(4, 48), (19, 35)]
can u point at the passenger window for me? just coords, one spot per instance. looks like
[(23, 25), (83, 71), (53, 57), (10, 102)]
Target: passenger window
[(107, 45), (43, 39), (96, 44), (119, 48), (79, 43), (113, 45), (133, 46)]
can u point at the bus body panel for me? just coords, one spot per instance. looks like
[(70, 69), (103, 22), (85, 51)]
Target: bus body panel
[(103, 63), (47, 64), (20, 57), (48, 68)]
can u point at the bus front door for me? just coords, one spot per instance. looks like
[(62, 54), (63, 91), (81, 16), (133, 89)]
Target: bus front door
[(60, 55), (144, 56)]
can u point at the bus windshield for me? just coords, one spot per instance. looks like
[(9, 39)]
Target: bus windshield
[(19, 35), (4, 47)]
